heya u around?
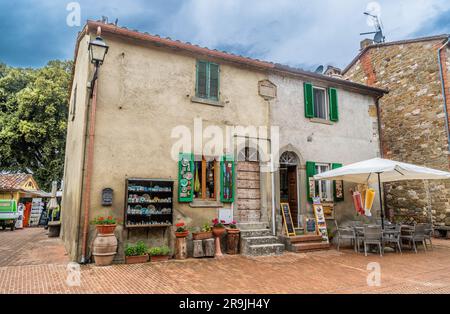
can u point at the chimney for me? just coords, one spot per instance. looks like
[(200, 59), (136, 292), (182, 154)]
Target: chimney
[(365, 43), (333, 72)]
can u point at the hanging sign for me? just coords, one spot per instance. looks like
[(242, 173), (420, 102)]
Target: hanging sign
[(320, 220), (287, 218)]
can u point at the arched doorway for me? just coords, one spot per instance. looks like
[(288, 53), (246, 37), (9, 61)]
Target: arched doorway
[(288, 183)]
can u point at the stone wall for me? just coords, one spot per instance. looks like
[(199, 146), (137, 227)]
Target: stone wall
[(413, 122)]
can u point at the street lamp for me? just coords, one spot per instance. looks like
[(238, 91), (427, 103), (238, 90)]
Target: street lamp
[(97, 52), (98, 49)]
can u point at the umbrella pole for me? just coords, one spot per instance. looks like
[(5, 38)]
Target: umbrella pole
[(381, 201)]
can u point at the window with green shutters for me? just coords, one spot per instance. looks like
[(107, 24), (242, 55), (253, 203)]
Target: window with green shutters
[(320, 103), (321, 188), (207, 84)]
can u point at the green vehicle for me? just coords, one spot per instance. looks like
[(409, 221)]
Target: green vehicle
[(8, 214)]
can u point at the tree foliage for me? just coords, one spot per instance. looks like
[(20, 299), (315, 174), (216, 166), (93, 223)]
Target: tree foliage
[(33, 120)]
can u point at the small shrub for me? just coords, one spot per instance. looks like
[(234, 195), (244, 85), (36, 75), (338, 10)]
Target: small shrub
[(136, 250)]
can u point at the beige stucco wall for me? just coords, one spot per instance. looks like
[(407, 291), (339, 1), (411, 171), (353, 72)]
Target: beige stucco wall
[(143, 93), (75, 141), (353, 138)]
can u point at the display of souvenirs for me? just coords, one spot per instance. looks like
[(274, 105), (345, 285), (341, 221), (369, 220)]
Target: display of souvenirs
[(186, 178), (137, 188), (149, 203), (135, 198)]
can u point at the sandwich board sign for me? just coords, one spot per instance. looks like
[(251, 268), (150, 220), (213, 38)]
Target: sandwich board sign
[(320, 219), (287, 218)]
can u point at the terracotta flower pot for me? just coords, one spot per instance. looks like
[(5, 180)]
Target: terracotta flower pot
[(159, 258), (202, 235), (136, 259), (218, 231), (233, 231), (106, 229), (182, 234)]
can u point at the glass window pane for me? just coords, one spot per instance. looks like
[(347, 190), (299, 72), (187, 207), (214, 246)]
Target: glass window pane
[(319, 103), (201, 80)]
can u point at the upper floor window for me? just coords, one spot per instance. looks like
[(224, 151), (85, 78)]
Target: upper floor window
[(207, 85), (320, 103)]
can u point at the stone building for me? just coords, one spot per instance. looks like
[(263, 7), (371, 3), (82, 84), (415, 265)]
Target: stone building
[(150, 90), (414, 118)]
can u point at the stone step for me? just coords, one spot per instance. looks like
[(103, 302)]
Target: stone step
[(306, 238), (309, 246), (259, 240), (252, 225), (256, 233), (265, 249)]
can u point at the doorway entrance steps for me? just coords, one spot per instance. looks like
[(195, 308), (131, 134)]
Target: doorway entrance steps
[(257, 240), (305, 243)]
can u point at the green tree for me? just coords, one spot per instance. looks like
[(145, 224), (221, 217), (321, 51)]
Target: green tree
[(33, 120)]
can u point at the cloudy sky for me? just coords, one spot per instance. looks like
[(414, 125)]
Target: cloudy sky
[(296, 32)]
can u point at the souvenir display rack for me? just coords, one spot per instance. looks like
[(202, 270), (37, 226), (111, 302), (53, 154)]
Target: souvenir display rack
[(148, 203)]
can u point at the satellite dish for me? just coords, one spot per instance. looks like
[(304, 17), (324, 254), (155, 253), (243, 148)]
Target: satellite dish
[(319, 69)]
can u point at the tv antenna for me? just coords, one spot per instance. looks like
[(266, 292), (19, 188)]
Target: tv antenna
[(376, 22)]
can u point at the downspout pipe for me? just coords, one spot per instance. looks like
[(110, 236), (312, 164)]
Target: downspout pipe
[(444, 94), (89, 166)]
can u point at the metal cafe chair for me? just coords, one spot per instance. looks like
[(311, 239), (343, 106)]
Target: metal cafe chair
[(429, 234), (373, 236), (345, 233), (391, 235), (413, 235)]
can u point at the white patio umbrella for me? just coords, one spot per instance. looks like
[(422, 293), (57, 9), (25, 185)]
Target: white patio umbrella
[(382, 170), (53, 203)]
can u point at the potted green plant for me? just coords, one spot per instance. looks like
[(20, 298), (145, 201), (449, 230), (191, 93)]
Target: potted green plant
[(204, 233), (135, 254), (105, 243), (218, 227), (181, 231), (159, 253)]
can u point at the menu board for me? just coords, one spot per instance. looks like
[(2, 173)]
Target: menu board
[(320, 221), (287, 218)]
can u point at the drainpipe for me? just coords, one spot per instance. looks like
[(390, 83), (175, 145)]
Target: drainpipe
[(441, 73), (272, 177), (90, 158)]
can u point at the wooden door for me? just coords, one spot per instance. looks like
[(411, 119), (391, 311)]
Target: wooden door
[(248, 191), (293, 193)]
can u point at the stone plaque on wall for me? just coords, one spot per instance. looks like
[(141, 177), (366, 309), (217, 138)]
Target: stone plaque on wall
[(267, 89)]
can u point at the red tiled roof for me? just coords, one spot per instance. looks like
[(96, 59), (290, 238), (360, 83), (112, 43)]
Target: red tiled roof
[(155, 40), (13, 182)]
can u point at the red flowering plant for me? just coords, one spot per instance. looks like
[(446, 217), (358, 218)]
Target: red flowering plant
[(232, 225), (181, 227), (101, 220), (217, 223)]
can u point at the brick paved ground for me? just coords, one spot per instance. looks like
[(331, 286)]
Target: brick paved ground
[(32, 263)]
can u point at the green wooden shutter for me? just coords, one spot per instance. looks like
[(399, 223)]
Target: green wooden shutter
[(213, 81), (310, 172), (201, 87), (309, 100), (227, 174), (186, 175), (336, 198), (333, 102)]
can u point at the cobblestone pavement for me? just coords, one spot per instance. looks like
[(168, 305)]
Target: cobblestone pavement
[(32, 263)]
